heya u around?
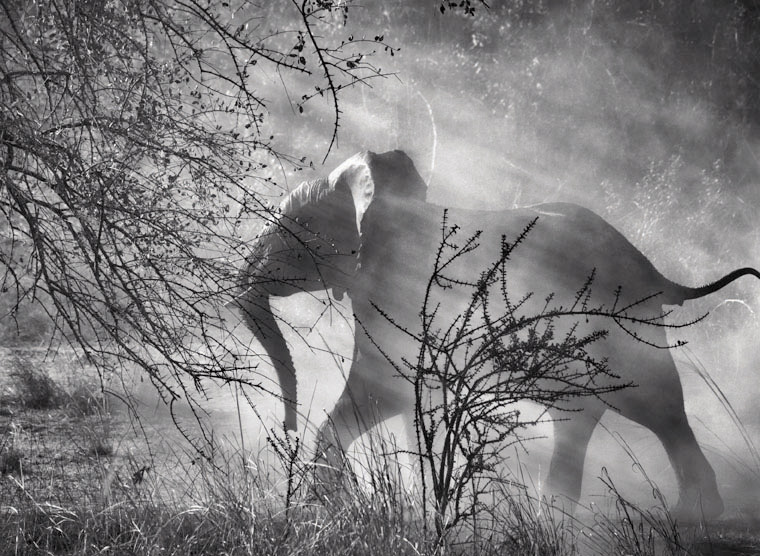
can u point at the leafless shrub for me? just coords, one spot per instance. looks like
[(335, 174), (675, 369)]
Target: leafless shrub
[(470, 370), (34, 387)]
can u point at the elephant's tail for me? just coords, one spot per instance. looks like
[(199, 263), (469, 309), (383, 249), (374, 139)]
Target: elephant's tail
[(684, 293)]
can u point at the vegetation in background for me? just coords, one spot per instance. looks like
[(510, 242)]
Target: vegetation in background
[(34, 388), (598, 102)]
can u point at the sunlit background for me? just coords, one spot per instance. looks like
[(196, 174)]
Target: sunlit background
[(646, 113)]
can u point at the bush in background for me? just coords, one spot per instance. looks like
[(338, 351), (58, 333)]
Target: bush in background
[(31, 385)]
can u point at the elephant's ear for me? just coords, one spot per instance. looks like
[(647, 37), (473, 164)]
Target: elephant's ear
[(319, 236), (370, 176)]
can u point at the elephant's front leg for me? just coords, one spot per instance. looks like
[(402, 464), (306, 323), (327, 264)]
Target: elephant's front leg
[(572, 434), (371, 395)]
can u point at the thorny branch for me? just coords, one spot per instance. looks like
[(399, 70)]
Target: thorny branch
[(134, 144)]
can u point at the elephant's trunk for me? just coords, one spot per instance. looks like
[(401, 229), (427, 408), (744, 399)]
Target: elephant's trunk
[(257, 312)]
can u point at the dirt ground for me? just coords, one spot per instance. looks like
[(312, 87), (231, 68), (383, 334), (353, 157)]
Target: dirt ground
[(59, 439)]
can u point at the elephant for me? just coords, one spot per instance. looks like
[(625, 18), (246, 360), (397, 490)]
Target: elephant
[(367, 230)]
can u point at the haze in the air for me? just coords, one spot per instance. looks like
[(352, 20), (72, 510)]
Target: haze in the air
[(647, 115)]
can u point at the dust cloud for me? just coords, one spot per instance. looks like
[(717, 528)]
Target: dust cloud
[(599, 105)]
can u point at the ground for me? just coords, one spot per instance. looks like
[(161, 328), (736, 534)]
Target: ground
[(64, 469)]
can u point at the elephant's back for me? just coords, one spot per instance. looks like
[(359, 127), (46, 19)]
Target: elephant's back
[(580, 241), (561, 245)]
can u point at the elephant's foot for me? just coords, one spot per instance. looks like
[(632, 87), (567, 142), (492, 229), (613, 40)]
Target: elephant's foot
[(330, 466), (698, 506)]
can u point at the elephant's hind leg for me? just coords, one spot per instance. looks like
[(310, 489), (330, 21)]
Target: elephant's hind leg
[(698, 496), (657, 403)]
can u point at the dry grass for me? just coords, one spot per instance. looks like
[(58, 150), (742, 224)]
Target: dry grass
[(56, 504), (69, 487)]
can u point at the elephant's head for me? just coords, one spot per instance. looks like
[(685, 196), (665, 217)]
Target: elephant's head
[(315, 243)]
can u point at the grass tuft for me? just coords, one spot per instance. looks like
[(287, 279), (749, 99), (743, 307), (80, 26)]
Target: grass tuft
[(85, 399), (34, 388), (10, 460), (101, 448)]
